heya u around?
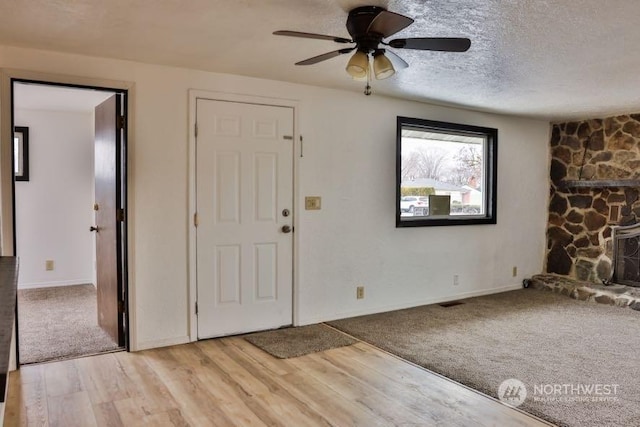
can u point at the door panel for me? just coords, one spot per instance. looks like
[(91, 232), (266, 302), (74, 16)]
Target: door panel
[(109, 286), (266, 173), (266, 264), (244, 180), (227, 191), (228, 278)]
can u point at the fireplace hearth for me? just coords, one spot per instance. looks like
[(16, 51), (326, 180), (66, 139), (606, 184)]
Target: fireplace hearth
[(617, 295)]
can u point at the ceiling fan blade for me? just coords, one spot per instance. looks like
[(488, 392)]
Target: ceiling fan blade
[(388, 23), (398, 63), (311, 36), (443, 44), (325, 56)]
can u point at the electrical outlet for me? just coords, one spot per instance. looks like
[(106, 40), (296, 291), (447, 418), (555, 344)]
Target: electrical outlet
[(48, 265), (515, 271), (360, 292), (456, 280)]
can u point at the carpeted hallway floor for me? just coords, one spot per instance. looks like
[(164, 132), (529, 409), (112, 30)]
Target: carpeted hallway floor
[(59, 323)]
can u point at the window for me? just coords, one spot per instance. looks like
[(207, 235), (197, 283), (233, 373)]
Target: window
[(445, 173), (21, 153)]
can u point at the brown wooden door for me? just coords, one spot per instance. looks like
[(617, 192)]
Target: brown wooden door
[(108, 140)]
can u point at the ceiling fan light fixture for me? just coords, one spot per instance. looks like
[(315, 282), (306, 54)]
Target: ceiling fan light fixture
[(382, 67), (358, 65), (369, 27)]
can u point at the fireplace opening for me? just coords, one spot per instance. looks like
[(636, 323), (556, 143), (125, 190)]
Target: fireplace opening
[(626, 255)]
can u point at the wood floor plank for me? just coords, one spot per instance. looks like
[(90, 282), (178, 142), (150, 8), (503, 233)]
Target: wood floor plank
[(383, 405), (269, 407), (62, 378), (259, 356), (26, 402), (230, 382), (225, 393), (35, 373), (196, 402), (151, 394), (107, 415), (322, 398), (446, 397), (170, 418), (391, 387), (71, 410), (104, 379), (236, 398)]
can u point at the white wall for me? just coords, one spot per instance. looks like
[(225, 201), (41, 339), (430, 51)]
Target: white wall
[(54, 208), (349, 160)]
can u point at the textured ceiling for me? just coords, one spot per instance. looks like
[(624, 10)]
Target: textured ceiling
[(554, 59)]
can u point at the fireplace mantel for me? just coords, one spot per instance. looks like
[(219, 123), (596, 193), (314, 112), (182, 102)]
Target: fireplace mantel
[(599, 183)]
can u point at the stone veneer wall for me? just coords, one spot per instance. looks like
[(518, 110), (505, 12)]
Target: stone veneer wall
[(579, 232)]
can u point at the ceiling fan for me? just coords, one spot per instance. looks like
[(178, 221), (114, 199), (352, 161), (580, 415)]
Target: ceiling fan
[(368, 27)]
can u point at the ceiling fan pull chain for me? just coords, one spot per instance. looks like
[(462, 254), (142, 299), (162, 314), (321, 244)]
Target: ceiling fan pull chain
[(367, 88)]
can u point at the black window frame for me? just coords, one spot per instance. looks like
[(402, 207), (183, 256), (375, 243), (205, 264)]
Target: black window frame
[(24, 135), (490, 178)]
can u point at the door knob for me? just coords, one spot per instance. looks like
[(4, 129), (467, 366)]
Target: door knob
[(286, 229), (96, 228)]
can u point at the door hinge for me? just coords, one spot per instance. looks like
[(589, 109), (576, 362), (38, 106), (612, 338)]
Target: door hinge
[(120, 215), (196, 308), (120, 306), (195, 129), (196, 220), (120, 122)]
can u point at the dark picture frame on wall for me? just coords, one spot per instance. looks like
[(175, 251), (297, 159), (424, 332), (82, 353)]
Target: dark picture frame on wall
[(21, 153)]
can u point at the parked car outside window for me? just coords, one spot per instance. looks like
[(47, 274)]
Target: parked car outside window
[(410, 203)]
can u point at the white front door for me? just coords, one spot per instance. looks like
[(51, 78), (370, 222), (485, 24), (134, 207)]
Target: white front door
[(244, 187)]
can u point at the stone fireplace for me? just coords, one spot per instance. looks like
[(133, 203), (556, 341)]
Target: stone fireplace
[(595, 187), (626, 255)]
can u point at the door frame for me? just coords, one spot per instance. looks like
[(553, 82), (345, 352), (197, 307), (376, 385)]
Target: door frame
[(7, 185), (194, 95)]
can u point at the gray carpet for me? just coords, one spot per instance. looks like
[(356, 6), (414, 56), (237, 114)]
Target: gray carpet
[(295, 342), (534, 336), (59, 323)]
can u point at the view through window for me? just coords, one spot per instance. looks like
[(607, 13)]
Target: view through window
[(446, 173)]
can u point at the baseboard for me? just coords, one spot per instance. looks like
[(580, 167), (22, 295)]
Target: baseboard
[(54, 284), (165, 342), (375, 310)]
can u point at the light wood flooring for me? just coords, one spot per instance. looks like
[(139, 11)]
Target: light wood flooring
[(230, 382)]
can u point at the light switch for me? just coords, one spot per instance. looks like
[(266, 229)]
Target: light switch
[(312, 203)]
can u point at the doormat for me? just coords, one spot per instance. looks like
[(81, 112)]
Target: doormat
[(299, 341)]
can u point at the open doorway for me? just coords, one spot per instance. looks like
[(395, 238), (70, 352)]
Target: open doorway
[(71, 291)]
